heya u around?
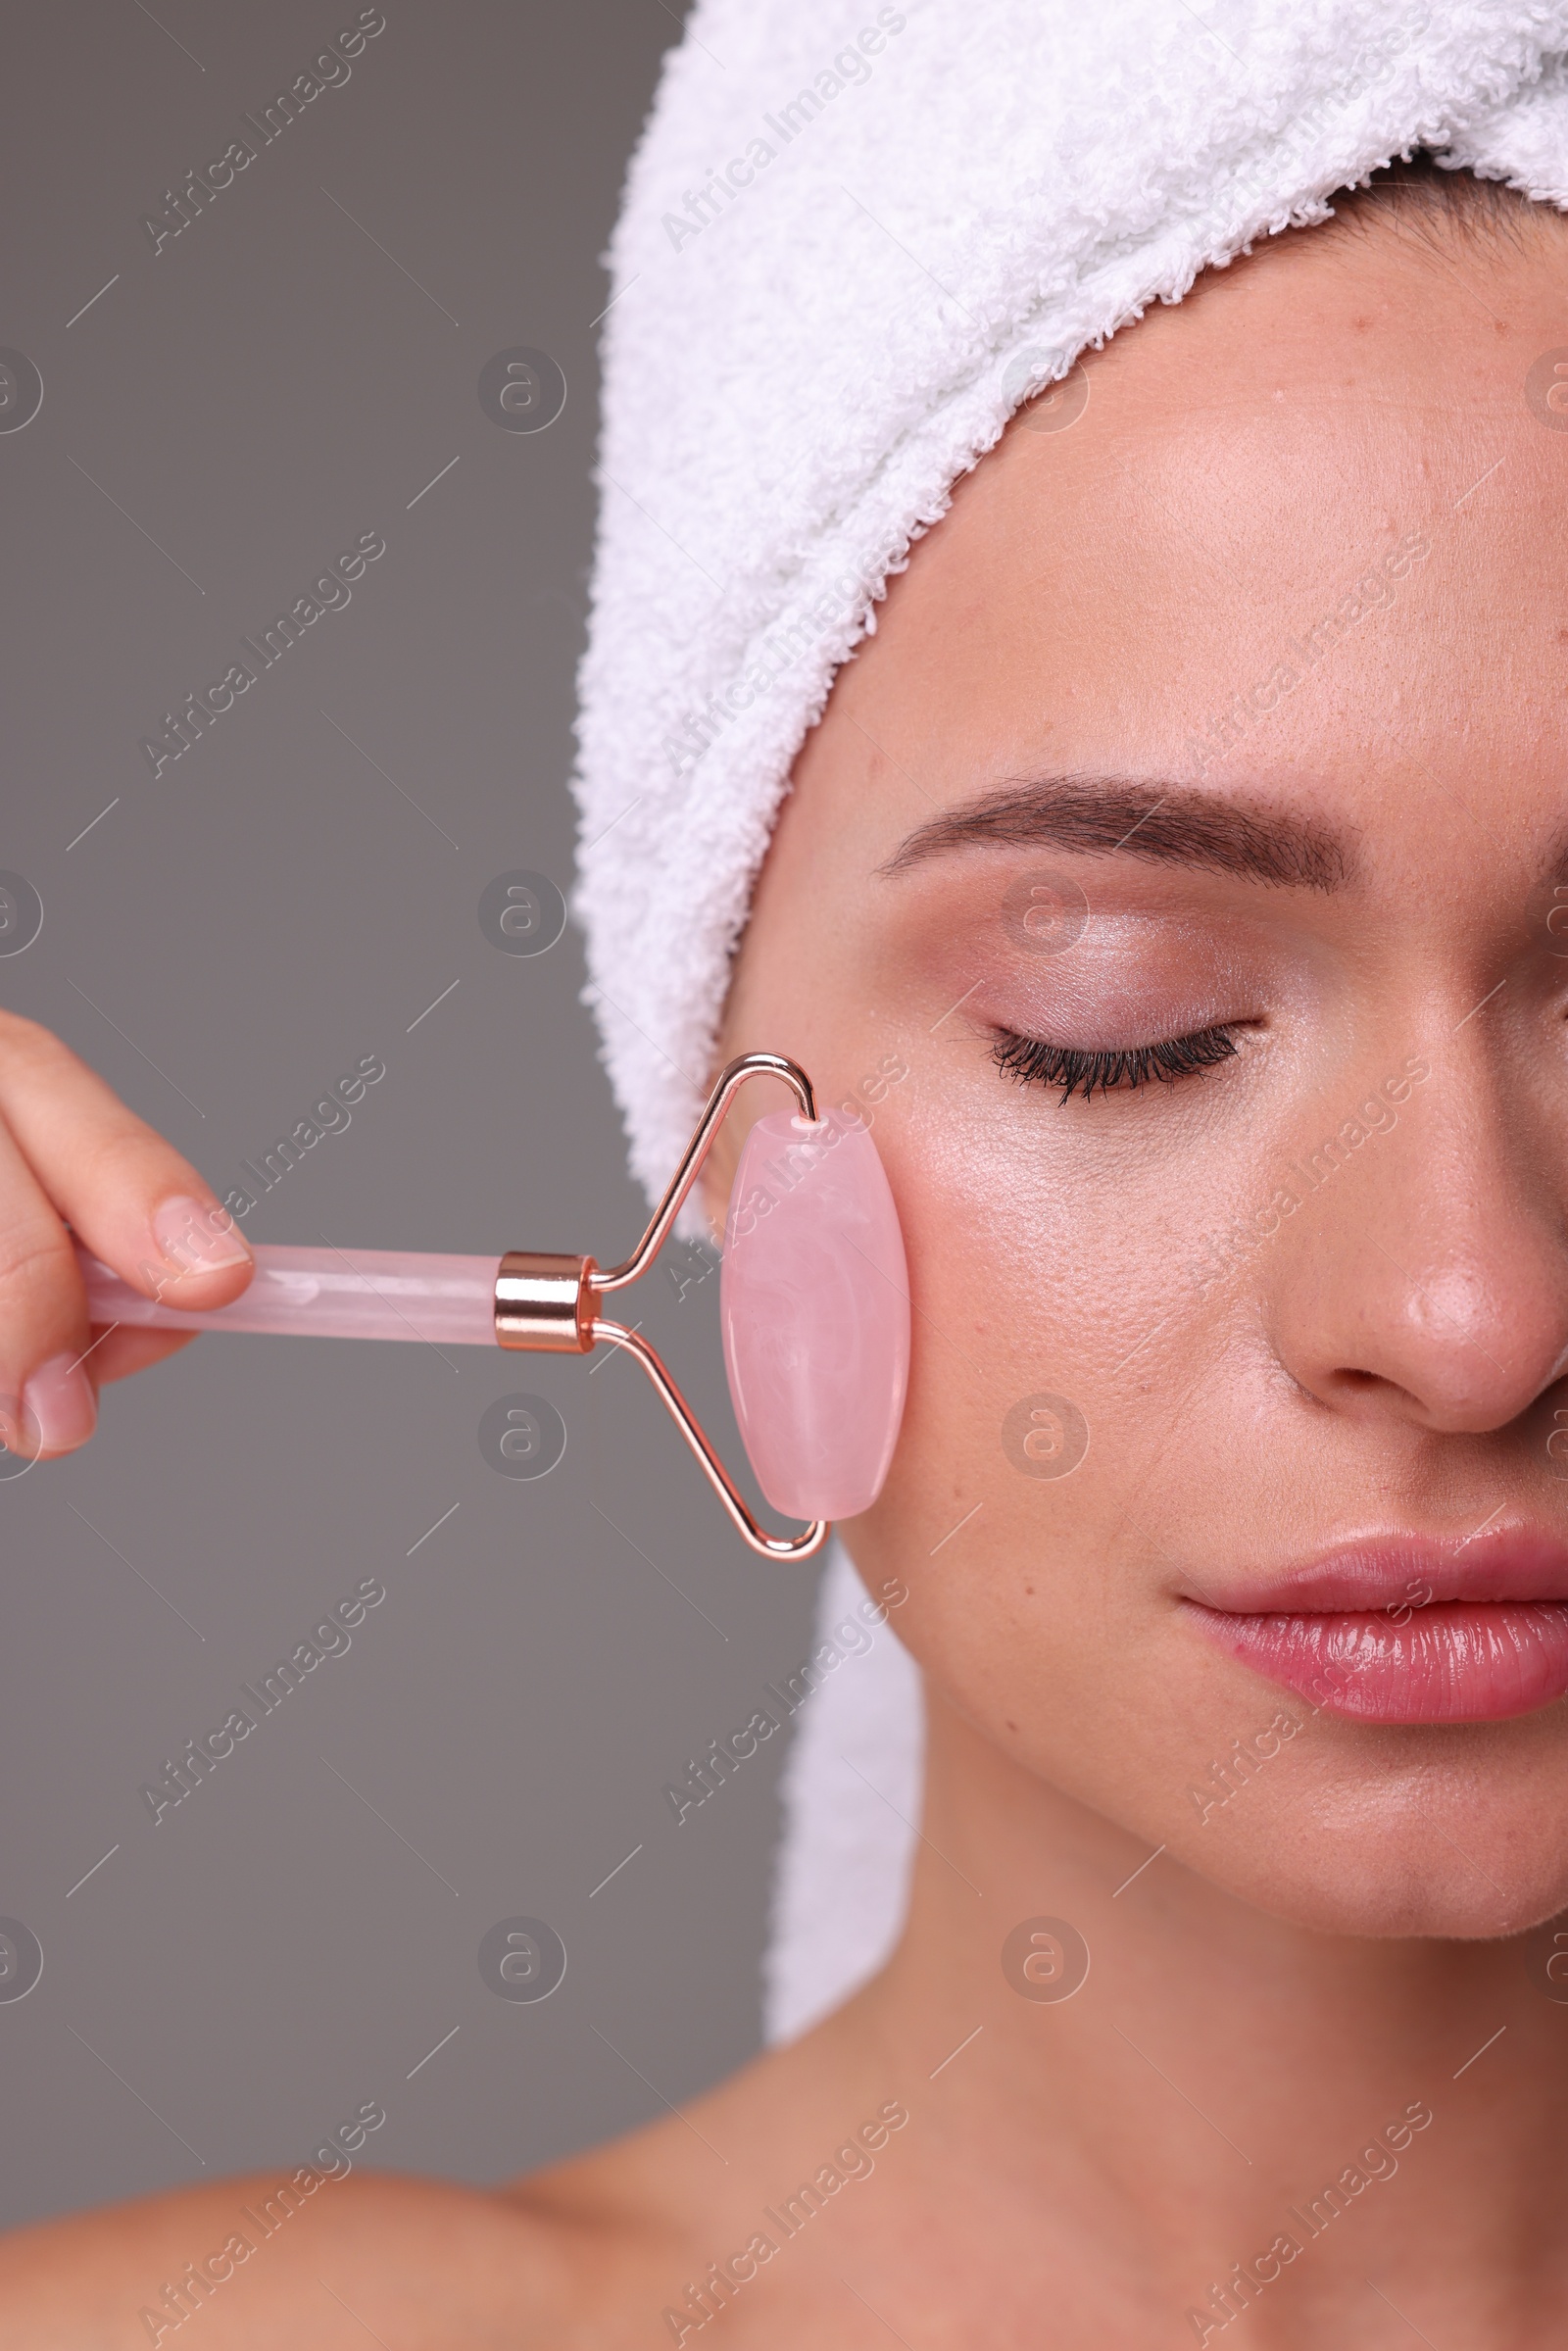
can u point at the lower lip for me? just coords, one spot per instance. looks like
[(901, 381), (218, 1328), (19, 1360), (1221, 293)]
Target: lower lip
[(1459, 1661)]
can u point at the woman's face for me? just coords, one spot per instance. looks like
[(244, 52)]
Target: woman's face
[(1232, 709)]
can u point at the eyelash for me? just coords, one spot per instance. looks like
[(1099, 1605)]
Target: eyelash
[(1032, 1061)]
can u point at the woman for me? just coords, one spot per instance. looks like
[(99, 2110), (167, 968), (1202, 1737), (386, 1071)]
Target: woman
[(1190, 831)]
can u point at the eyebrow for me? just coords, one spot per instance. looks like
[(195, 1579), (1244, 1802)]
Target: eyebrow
[(1179, 826)]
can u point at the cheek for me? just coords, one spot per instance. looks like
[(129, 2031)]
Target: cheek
[(1008, 1407), (1048, 1434), (1031, 1279)]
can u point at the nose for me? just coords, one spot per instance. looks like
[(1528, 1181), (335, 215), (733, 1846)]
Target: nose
[(1425, 1270)]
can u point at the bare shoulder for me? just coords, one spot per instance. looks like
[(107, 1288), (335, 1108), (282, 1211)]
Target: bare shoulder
[(745, 2205), (638, 2242), (420, 2264)]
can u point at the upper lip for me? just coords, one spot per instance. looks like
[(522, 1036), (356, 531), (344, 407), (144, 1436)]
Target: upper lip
[(1518, 1562)]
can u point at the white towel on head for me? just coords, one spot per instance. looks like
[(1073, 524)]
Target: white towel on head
[(840, 244), (851, 1798), (856, 236)]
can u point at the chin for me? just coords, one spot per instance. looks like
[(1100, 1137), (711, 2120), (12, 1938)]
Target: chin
[(1452, 1851)]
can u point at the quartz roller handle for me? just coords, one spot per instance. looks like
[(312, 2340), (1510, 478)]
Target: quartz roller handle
[(819, 1402), (324, 1294)]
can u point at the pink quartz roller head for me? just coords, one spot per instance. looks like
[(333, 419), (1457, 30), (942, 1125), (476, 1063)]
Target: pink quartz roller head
[(815, 1298), (816, 1314)]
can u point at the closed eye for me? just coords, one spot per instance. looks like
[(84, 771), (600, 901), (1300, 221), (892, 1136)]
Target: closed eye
[(1034, 1061)]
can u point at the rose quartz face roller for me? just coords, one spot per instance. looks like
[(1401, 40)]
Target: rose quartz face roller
[(815, 1299)]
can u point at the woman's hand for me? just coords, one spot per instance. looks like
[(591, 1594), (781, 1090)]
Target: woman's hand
[(71, 1151)]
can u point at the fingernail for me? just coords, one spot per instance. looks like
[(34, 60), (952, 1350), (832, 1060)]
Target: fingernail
[(198, 1236), (59, 1398)]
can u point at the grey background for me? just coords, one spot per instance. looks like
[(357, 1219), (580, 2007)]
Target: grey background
[(293, 1940)]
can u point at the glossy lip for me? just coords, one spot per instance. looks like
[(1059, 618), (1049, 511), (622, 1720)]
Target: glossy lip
[(1518, 1562), (1405, 1628)]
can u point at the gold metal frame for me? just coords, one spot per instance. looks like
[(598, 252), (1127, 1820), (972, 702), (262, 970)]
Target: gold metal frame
[(550, 1304)]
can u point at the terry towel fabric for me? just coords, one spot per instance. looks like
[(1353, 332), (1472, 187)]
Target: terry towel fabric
[(856, 237), (851, 1797)]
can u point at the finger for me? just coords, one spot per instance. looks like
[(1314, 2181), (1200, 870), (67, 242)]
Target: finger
[(116, 1354), (135, 1201), (48, 1404)]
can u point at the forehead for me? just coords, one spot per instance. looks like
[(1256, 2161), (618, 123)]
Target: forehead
[(1306, 534)]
